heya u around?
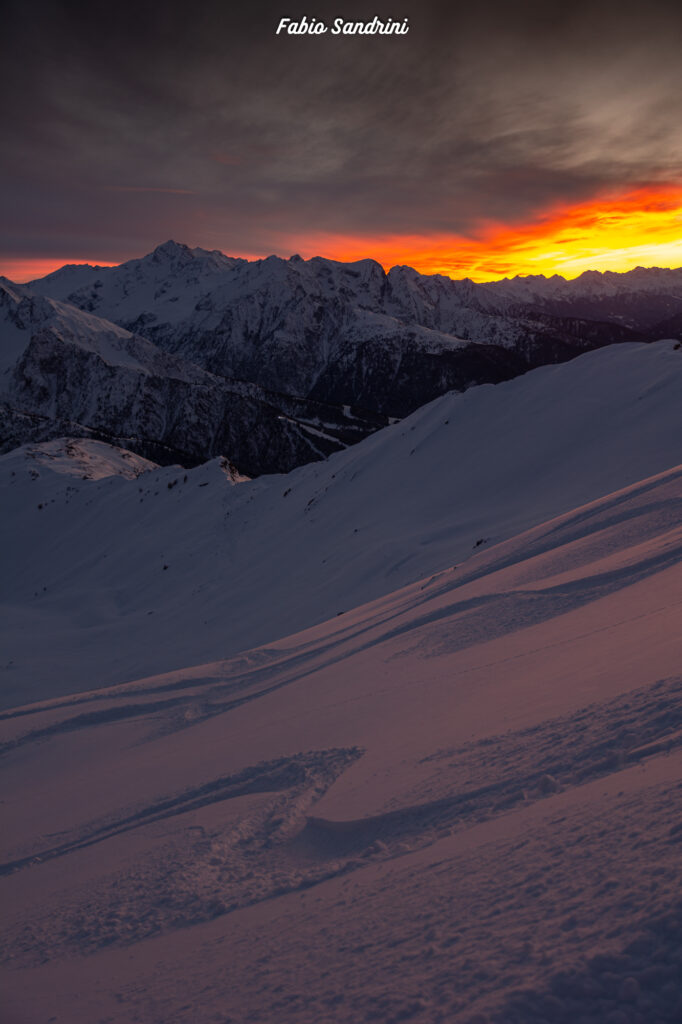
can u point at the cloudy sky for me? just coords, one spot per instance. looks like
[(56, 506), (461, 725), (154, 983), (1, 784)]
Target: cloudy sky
[(125, 124)]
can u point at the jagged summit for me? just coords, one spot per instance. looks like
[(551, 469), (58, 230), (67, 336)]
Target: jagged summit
[(171, 250), (339, 348)]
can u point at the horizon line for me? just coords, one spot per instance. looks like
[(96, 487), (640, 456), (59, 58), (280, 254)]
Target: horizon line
[(42, 267)]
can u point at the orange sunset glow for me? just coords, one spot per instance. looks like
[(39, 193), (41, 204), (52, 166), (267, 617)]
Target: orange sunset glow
[(642, 227), (23, 270)]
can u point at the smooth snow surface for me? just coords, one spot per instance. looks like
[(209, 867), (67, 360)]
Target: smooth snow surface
[(459, 803), (108, 580)]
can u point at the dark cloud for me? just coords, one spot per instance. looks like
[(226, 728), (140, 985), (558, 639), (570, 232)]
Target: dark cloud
[(127, 123)]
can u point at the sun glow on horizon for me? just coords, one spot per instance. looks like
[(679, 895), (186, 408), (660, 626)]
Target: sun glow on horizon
[(642, 227), (25, 269)]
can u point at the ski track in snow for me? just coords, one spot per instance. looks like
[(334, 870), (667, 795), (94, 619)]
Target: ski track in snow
[(426, 621), (170, 563), (460, 803), (535, 890)]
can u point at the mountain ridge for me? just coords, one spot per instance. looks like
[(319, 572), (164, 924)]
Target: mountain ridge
[(461, 474), (172, 249), (319, 353), (65, 371)]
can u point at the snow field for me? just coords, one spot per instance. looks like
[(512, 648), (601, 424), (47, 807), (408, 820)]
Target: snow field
[(249, 564), (457, 803)]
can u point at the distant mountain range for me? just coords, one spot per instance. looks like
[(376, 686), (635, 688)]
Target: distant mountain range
[(186, 354)]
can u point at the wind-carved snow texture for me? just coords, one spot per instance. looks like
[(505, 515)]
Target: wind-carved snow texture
[(458, 803), (639, 984), (597, 740), (205, 871), (269, 843), (265, 843), (408, 502)]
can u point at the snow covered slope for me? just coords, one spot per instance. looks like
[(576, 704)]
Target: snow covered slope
[(84, 459), (190, 569), (460, 803)]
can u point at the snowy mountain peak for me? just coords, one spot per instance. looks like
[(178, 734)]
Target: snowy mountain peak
[(350, 335), (171, 250)]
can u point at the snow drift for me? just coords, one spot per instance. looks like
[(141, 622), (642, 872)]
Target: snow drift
[(187, 568), (457, 803)]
